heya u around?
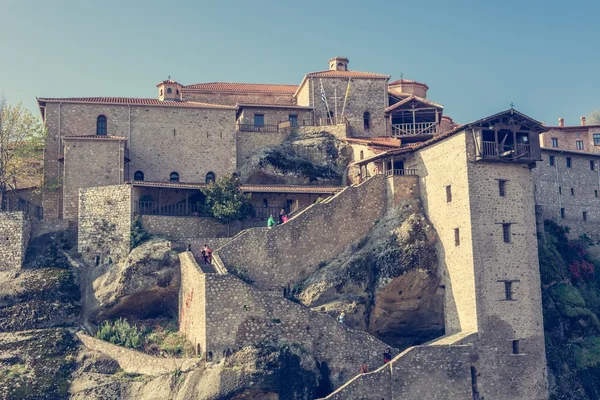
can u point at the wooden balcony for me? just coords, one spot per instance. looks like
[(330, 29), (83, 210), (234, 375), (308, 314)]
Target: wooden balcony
[(418, 128), (257, 128), (508, 152), (401, 172)]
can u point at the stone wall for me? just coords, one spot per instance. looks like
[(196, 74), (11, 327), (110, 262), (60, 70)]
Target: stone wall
[(160, 140), (272, 116), (177, 228), (553, 184), (440, 165), (568, 136), (104, 223), (233, 98), (249, 143), (340, 131), (220, 312), (135, 362), (90, 163), (42, 226), (15, 229), (192, 302), (422, 372), (287, 253)]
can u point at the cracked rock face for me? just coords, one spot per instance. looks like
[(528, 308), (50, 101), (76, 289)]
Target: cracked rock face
[(319, 159), (148, 279), (386, 284)]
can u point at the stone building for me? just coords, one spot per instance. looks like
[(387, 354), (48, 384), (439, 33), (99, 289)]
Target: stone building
[(108, 159), (568, 178)]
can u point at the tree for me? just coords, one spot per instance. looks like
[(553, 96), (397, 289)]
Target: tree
[(21, 147), (225, 200), (594, 118)]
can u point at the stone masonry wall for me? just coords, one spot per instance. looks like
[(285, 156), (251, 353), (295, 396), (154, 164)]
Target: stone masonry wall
[(422, 372), (104, 222), (192, 302), (272, 116), (176, 228), (234, 98), (440, 165), (15, 230), (568, 137), (90, 163), (553, 184), (287, 253)]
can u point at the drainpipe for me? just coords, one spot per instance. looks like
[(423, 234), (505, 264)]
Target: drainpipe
[(58, 162), (129, 144)]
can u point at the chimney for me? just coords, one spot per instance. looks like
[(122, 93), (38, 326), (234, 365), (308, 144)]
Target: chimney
[(582, 121), (561, 122)]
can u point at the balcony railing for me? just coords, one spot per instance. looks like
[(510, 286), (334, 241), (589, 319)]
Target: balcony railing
[(401, 172), (257, 128), (175, 210), (419, 128), (493, 149)]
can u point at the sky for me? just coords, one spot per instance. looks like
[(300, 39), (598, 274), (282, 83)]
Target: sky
[(477, 57)]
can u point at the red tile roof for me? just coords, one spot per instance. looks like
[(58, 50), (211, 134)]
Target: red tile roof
[(243, 87), (101, 137), (574, 127), (409, 99), (380, 141), (133, 101), (247, 188), (168, 81), (402, 81), (347, 74)]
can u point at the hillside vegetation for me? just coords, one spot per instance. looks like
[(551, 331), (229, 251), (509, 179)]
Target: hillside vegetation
[(571, 302)]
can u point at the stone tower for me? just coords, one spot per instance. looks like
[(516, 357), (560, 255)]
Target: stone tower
[(169, 90), (338, 64)]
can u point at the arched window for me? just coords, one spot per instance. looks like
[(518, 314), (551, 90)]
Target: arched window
[(362, 154), (174, 177), (138, 176), (210, 177), (169, 90), (101, 125), (367, 119), (177, 91), (161, 92)]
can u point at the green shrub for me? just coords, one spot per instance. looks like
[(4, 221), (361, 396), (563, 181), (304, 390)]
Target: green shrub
[(567, 294), (120, 332), (138, 234)]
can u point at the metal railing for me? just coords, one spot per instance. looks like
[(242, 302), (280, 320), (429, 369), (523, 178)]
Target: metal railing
[(401, 172), (418, 128), (257, 128), (175, 210)]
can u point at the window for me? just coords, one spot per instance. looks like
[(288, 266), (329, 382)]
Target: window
[(569, 163), (259, 119), (554, 142), (501, 187), (562, 213), (572, 192), (265, 203), (596, 193), (293, 118), (169, 90), (138, 176), (174, 177), (508, 294), (560, 190), (456, 237), (210, 178), (515, 347), (161, 92), (592, 165), (551, 160), (579, 144), (367, 119), (506, 232), (448, 194), (101, 125), (177, 91), (585, 215), (596, 139), (362, 154)]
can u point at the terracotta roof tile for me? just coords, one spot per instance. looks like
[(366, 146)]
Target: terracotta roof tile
[(347, 74), (247, 188), (380, 141), (401, 81), (168, 81), (133, 101), (243, 87), (100, 137), (409, 99)]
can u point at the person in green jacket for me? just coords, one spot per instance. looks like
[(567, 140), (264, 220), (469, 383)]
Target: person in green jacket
[(270, 222)]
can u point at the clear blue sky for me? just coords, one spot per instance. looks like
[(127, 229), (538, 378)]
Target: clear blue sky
[(476, 56)]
